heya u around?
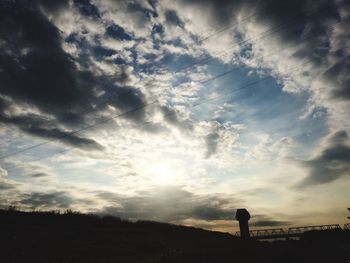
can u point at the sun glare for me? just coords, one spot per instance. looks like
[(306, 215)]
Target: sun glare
[(163, 174)]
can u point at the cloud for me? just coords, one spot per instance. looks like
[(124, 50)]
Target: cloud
[(279, 37), (173, 19), (6, 186), (86, 8), (170, 204), (9, 192), (128, 99), (267, 221), (48, 201), (218, 138), (3, 172), (211, 141), (53, 6), (76, 199), (304, 15), (39, 175), (134, 16), (46, 75), (212, 212), (117, 32), (37, 126), (331, 162), (62, 92), (173, 117), (339, 73)]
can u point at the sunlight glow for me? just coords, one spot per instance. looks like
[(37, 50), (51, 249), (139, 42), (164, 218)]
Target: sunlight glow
[(163, 174)]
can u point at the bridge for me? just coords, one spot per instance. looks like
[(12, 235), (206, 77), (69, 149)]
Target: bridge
[(292, 232)]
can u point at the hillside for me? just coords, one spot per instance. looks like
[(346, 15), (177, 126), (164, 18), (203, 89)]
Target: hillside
[(74, 237)]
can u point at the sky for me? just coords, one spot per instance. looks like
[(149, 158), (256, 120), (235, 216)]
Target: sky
[(177, 111)]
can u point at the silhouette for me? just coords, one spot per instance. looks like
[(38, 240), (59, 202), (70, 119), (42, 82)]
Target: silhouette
[(74, 237), (243, 216), (292, 232)]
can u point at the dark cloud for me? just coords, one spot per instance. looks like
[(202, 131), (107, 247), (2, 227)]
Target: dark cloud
[(53, 200), (339, 137), (39, 175), (86, 8), (100, 52), (35, 72), (35, 125), (339, 73), (8, 192), (211, 142), (169, 204), (212, 212), (295, 21), (296, 14), (331, 163), (34, 68), (137, 11), (6, 186), (267, 221), (53, 6), (117, 32), (144, 14), (173, 19), (128, 99), (223, 11), (48, 200), (172, 117)]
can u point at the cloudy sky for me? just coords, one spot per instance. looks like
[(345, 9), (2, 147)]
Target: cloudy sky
[(177, 111)]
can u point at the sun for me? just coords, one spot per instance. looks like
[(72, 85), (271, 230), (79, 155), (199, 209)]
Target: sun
[(163, 174)]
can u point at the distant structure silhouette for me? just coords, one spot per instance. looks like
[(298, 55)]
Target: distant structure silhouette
[(292, 232), (243, 216)]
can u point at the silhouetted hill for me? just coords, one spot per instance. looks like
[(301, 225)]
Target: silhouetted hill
[(74, 237)]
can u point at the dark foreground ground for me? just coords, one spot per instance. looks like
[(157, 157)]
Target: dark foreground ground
[(67, 238)]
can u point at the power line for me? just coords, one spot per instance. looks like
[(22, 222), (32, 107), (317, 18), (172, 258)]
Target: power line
[(145, 105), (218, 23), (233, 25), (86, 110), (197, 63), (278, 27), (202, 39), (262, 35), (76, 131), (149, 122)]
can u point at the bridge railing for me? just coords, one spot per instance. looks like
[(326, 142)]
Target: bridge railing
[(261, 233), (291, 232), (303, 229), (267, 232)]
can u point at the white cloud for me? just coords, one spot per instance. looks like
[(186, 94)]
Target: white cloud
[(3, 172)]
